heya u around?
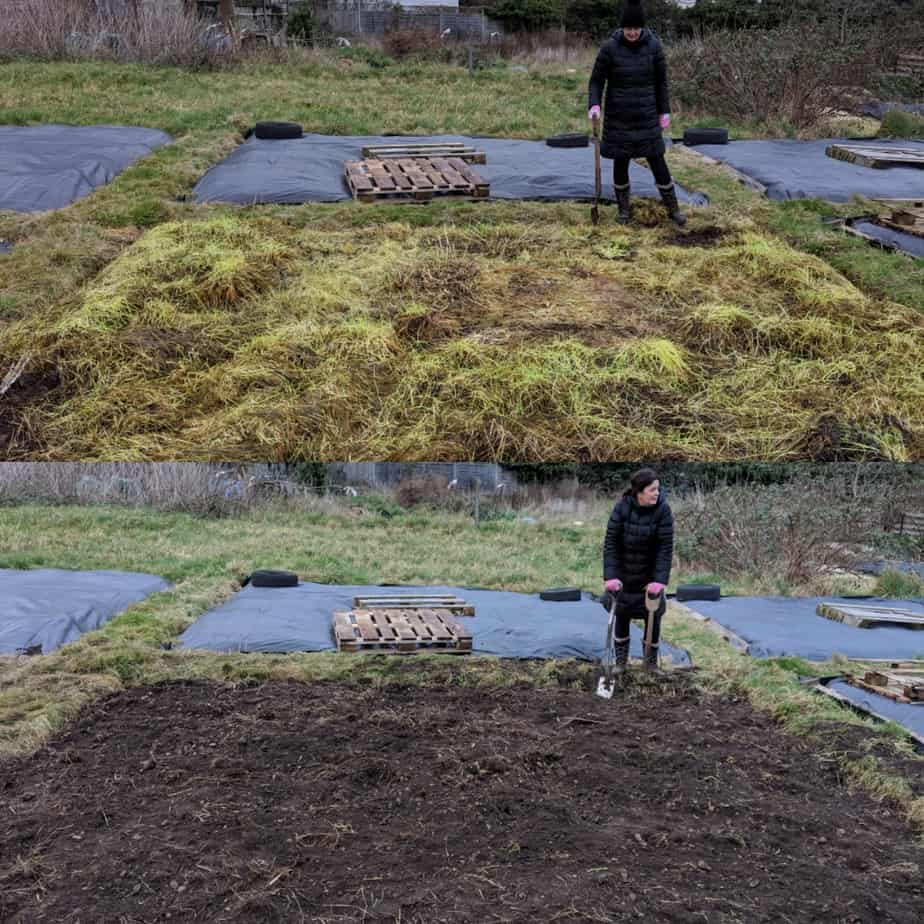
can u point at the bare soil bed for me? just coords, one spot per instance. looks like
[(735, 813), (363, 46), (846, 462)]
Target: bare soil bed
[(446, 803)]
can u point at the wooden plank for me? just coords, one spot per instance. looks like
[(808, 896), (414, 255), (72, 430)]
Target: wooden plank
[(380, 176), (370, 151), (437, 627), (481, 186), (412, 170), (382, 622), (453, 177), (402, 181), (344, 632), (882, 691), (367, 630)]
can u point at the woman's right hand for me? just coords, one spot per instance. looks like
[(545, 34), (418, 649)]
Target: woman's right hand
[(593, 112), (613, 585)]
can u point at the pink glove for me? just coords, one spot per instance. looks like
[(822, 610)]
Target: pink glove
[(664, 120), (655, 588), (594, 112), (613, 585)]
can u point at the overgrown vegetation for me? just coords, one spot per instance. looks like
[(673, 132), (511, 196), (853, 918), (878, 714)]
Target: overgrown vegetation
[(239, 337)]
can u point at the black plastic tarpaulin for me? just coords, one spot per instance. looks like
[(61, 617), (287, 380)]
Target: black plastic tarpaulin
[(509, 625), (775, 627), (51, 607), (310, 169), (792, 169), (50, 166)]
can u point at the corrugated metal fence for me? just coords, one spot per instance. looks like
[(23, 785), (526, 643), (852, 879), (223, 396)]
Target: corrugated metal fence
[(359, 20), (388, 474)]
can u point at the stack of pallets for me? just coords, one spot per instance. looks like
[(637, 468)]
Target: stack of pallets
[(404, 623), (416, 173)]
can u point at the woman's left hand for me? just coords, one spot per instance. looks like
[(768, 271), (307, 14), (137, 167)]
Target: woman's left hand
[(664, 120), (655, 588)]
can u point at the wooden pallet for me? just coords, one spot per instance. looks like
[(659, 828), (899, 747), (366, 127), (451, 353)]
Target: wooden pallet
[(448, 602), (903, 687), (878, 157), (414, 178), (911, 523), (405, 630), (464, 152), (865, 617), (910, 64)]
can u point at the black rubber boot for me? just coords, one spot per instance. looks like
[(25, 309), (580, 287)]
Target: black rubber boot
[(623, 203), (669, 198), (622, 655), (651, 659)]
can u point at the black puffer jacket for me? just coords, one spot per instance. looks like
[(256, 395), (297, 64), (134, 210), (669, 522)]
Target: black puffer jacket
[(639, 544), (635, 77)]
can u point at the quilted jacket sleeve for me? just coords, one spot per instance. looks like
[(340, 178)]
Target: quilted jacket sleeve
[(665, 547), (660, 80), (598, 78), (612, 546)]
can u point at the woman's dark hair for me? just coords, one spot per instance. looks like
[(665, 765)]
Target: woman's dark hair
[(639, 481)]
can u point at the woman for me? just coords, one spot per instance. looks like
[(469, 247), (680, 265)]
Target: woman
[(631, 67), (637, 555)]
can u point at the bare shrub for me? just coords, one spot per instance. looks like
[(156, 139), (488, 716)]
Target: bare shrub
[(785, 534), (780, 75), (408, 43), (147, 33)]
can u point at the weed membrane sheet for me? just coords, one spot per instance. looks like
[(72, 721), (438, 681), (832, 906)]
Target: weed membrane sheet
[(51, 607), (50, 166), (911, 717), (430, 800), (800, 169), (775, 627), (310, 169), (509, 625)]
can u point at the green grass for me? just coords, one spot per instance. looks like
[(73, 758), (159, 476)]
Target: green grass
[(501, 330), (205, 558)]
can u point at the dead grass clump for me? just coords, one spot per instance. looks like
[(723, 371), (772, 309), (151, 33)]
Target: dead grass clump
[(721, 326), (181, 268)]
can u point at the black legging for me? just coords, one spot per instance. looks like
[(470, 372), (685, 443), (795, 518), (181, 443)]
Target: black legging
[(658, 166)]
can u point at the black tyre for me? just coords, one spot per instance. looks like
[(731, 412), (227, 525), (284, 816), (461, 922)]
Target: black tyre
[(274, 579), (698, 592), (561, 594), (705, 136), (278, 131), (574, 140)]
